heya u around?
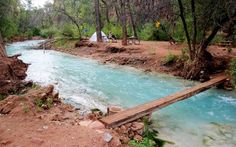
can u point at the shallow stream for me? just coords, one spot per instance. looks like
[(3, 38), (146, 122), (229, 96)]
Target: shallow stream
[(207, 119)]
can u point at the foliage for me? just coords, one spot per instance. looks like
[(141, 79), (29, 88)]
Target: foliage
[(229, 49), (147, 32), (233, 69), (8, 27), (146, 142), (36, 31), (35, 86), (65, 43), (44, 103), (170, 58), (184, 56), (89, 28), (2, 97), (218, 38), (114, 28), (68, 30), (49, 32), (150, 137), (178, 34)]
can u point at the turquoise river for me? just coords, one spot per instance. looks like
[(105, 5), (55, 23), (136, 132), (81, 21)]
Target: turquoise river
[(207, 119)]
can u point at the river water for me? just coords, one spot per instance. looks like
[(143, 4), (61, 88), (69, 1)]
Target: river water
[(207, 119)]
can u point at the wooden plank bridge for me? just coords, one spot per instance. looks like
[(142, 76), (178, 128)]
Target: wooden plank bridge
[(137, 112)]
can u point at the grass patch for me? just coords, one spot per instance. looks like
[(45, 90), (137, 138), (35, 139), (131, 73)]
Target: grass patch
[(25, 108), (170, 58), (184, 56), (65, 43), (45, 104), (35, 86), (2, 97)]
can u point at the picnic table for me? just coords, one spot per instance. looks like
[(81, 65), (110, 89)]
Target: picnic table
[(133, 40)]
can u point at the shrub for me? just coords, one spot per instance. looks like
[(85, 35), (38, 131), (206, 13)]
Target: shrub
[(68, 30), (179, 34), (229, 50), (29, 33), (45, 104), (184, 54), (36, 32), (147, 32), (49, 32), (150, 137), (144, 143), (114, 28), (2, 97), (233, 70), (170, 58)]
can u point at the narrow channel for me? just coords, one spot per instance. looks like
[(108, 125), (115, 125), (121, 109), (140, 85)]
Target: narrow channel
[(207, 119)]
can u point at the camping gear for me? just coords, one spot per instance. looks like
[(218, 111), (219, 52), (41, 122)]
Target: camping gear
[(93, 38)]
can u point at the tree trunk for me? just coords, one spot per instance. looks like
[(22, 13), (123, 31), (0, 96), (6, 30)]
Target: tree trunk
[(117, 15), (72, 19), (106, 11), (132, 20), (181, 8), (98, 21), (123, 22), (194, 40)]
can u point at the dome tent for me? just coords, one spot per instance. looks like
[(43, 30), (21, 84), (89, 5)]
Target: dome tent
[(93, 38)]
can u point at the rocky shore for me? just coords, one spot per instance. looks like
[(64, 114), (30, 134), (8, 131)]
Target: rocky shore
[(43, 120)]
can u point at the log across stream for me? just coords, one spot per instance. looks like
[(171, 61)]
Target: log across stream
[(206, 119)]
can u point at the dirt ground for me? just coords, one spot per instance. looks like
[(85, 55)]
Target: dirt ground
[(149, 56), (23, 123)]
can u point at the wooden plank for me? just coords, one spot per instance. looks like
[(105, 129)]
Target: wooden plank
[(137, 112)]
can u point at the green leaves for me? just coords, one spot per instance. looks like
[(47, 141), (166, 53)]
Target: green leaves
[(233, 70)]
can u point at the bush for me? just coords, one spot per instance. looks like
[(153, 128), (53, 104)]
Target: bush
[(170, 58), (233, 70), (147, 32), (179, 34), (2, 97), (8, 27), (45, 104), (184, 56), (144, 143), (36, 32), (229, 49), (217, 39), (68, 30), (150, 137), (48, 33), (150, 32), (29, 33), (114, 28)]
